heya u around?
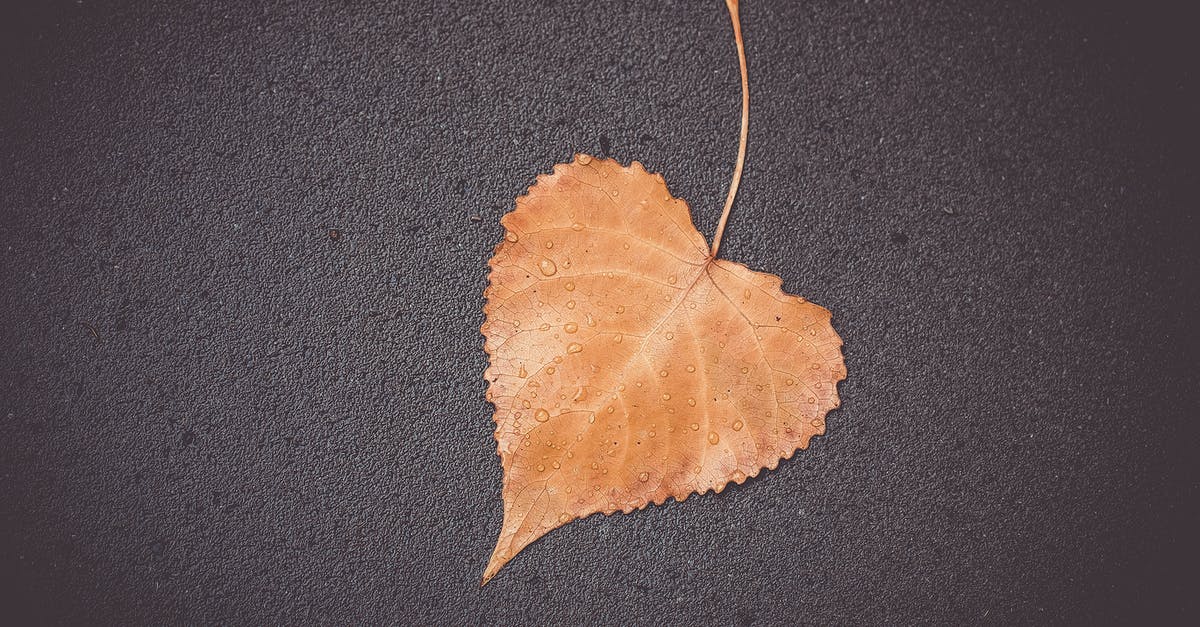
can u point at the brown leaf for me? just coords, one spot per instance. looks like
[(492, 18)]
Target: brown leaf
[(628, 364)]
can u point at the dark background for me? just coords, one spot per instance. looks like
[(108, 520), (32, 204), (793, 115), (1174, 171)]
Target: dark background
[(214, 410)]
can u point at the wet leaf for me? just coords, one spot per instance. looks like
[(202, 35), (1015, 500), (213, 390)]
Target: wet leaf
[(628, 365)]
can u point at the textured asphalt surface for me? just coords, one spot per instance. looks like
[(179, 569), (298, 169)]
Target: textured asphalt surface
[(244, 249)]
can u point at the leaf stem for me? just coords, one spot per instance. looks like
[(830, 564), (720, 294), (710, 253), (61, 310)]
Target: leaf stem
[(741, 155)]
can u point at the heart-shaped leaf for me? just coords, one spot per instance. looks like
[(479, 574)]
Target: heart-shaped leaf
[(628, 364)]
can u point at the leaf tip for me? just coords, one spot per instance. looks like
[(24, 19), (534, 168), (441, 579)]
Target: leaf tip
[(494, 565)]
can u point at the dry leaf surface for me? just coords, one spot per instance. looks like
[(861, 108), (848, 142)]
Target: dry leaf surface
[(627, 365)]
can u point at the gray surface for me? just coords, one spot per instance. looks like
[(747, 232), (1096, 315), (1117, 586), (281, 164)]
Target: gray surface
[(271, 425)]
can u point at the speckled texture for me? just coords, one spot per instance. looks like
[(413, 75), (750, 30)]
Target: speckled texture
[(277, 219)]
